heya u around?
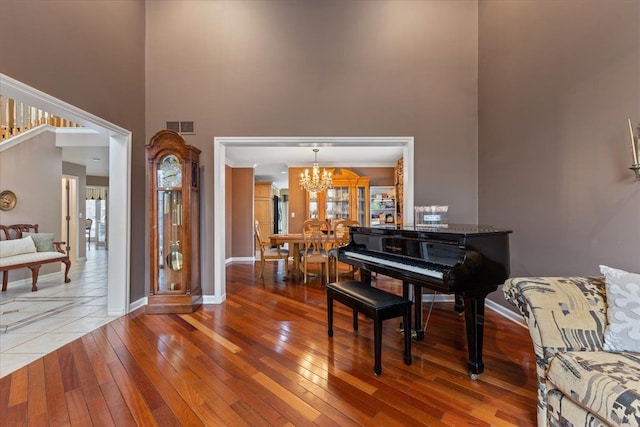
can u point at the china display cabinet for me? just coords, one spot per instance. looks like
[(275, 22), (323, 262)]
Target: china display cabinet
[(348, 198), (383, 206), (173, 191)]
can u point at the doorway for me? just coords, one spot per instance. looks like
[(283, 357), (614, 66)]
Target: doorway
[(97, 218), (69, 216), (119, 142), (217, 266)]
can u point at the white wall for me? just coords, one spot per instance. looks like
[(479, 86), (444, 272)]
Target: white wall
[(33, 171)]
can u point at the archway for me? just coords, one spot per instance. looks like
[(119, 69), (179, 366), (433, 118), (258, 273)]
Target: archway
[(119, 183), (219, 146)]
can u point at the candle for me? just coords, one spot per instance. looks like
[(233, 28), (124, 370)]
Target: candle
[(634, 148), (638, 142)]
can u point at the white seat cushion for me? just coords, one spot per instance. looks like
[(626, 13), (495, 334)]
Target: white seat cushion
[(30, 257)]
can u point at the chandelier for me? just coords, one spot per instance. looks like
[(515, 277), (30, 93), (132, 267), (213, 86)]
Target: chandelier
[(315, 182)]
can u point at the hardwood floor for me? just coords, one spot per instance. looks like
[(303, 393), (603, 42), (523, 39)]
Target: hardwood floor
[(263, 358)]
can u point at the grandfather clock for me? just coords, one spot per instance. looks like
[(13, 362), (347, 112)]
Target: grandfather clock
[(173, 191)]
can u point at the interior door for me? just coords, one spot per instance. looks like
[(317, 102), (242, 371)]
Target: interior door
[(70, 212)]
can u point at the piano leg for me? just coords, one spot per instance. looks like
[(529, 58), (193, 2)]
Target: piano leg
[(459, 304), (417, 331), (365, 276), (474, 322)]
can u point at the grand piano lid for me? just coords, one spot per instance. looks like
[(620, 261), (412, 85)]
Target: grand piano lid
[(441, 229)]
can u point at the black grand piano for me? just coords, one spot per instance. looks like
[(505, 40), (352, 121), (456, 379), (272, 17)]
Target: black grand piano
[(469, 261)]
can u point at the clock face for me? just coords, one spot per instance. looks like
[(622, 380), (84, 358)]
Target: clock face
[(169, 172)]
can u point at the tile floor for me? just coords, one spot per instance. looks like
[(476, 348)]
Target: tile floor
[(33, 324)]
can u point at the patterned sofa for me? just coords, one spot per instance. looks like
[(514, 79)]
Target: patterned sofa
[(579, 383)]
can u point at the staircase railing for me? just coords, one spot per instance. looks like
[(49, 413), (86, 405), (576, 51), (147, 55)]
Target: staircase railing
[(17, 117)]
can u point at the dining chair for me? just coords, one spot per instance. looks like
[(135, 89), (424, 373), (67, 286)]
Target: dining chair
[(340, 235), (267, 252), (315, 235)]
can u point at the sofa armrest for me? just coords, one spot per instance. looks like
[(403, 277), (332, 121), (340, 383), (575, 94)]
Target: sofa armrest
[(563, 313), (59, 248)]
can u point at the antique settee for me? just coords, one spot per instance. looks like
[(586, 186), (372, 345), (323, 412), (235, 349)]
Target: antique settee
[(21, 246), (579, 327)]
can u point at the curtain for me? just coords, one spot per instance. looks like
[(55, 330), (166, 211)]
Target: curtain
[(94, 193)]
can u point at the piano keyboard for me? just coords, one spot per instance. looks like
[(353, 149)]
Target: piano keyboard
[(403, 266)]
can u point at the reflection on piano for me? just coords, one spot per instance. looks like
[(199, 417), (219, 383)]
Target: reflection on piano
[(466, 260)]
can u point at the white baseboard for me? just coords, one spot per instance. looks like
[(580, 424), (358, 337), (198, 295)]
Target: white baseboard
[(501, 310), (240, 259), (212, 299), (437, 298), (138, 303), (505, 312)]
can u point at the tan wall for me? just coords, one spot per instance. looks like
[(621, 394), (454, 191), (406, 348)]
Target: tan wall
[(229, 223), (89, 54), (377, 176), (297, 201), (33, 171), (242, 202), (558, 81), (98, 181), (262, 68), (329, 68)]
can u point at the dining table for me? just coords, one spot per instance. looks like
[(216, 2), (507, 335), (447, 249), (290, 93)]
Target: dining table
[(295, 242)]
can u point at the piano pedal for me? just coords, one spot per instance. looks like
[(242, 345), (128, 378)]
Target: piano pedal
[(415, 335)]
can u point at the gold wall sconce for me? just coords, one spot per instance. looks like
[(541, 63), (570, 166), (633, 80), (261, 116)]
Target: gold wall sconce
[(635, 149)]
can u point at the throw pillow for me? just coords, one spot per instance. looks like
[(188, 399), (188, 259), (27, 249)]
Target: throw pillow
[(16, 247), (43, 241), (622, 332)]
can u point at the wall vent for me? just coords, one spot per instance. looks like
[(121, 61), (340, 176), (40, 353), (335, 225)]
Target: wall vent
[(182, 127)]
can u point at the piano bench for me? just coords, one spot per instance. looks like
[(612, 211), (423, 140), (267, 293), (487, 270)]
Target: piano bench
[(375, 304)]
